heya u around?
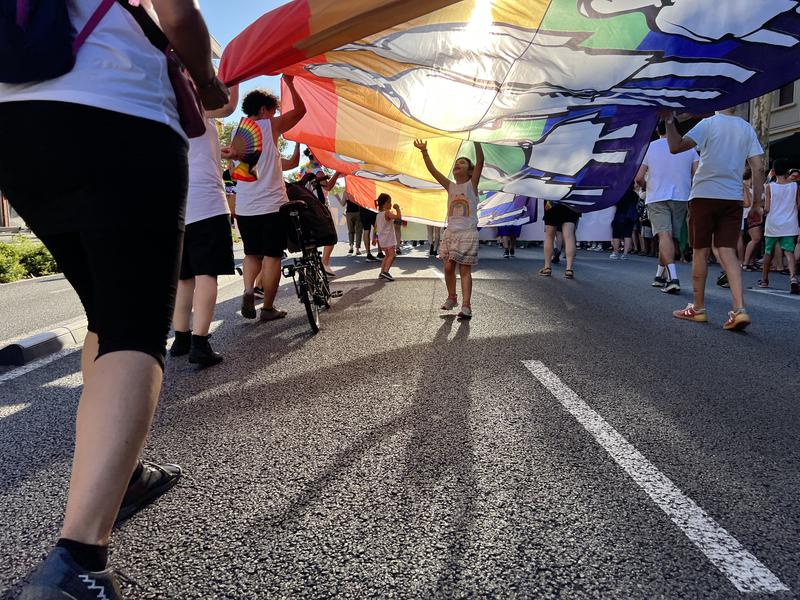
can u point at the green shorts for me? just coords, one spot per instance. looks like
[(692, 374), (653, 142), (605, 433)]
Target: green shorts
[(787, 243)]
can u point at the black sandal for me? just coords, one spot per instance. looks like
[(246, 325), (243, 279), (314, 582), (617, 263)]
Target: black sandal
[(153, 481), (545, 271), (569, 274)]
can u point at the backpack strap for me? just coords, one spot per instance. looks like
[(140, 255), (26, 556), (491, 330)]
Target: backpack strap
[(91, 24), (151, 31)]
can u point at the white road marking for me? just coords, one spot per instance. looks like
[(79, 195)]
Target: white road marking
[(779, 293), (743, 569), (10, 409)]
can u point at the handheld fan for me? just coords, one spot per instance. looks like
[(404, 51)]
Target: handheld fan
[(248, 142)]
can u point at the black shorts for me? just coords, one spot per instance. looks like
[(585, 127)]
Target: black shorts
[(208, 248), (368, 218), (116, 237), (263, 235), (622, 229), (560, 214)]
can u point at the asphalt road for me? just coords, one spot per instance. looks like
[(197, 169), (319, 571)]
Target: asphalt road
[(400, 453)]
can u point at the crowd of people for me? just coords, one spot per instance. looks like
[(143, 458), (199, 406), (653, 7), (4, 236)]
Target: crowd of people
[(92, 223)]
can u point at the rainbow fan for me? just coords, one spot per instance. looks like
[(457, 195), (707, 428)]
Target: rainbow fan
[(247, 142)]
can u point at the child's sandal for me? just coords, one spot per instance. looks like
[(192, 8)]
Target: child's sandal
[(569, 274), (763, 283), (545, 271)]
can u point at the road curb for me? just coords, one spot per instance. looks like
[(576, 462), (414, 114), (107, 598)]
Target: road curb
[(37, 346)]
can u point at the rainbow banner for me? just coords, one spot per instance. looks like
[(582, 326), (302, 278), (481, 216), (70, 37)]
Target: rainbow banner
[(562, 93)]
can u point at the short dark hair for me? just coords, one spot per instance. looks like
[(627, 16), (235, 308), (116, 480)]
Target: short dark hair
[(255, 100), (662, 127), (781, 167), (383, 199)]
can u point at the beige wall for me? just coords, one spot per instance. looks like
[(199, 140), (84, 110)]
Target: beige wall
[(785, 119)]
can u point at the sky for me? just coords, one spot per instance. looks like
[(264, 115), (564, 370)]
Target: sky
[(226, 19)]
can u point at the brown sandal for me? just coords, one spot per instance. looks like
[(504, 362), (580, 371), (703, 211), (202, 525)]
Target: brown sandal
[(569, 274), (545, 271)]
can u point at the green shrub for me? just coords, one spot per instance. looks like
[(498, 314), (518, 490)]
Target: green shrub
[(10, 268), (24, 258)]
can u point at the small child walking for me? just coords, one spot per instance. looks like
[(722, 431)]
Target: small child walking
[(387, 240), (459, 246), (781, 202)]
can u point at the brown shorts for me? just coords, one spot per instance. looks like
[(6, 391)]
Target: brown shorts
[(714, 222)]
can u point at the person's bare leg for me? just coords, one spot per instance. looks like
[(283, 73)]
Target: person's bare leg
[(730, 262), (205, 301), (450, 277), (465, 271), (777, 258), (666, 249), (271, 279), (615, 245), (182, 317), (628, 244), (755, 240), (326, 256), (699, 275), (120, 393), (367, 246), (766, 266), (252, 271), (568, 231), (388, 260), (549, 239)]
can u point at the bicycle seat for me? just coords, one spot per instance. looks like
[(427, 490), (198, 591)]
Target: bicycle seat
[(293, 204)]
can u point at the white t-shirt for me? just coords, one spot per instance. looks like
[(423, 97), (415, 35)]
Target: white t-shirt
[(669, 176), (117, 69), (206, 188), (724, 142), (782, 217), (385, 229), (462, 207), (266, 194)]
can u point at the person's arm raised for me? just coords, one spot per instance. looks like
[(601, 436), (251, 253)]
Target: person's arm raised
[(286, 121), (186, 30), (287, 164), (677, 143), (478, 168), (229, 108), (423, 147)]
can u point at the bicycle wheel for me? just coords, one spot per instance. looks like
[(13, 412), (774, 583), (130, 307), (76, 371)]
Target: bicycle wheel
[(325, 286), (305, 289)]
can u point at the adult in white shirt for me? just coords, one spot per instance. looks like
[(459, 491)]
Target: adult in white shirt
[(725, 142), (668, 179), (110, 230), (258, 202), (207, 244)]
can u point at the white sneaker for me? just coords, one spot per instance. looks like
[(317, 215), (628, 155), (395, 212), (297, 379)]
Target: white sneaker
[(614, 256), (623, 257)]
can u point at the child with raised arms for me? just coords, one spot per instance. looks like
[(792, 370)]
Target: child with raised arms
[(459, 246), (384, 224)]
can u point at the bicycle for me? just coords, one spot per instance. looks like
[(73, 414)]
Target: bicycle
[(308, 275)]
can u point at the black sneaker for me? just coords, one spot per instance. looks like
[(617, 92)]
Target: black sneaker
[(506, 254), (556, 258), (182, 343), (380, 255), (432, 251), (659, 282), (673, 286), (154, 481), (371, 258), (350, 251), (60, 577), (722, 280), (398, 251), (386, 276)]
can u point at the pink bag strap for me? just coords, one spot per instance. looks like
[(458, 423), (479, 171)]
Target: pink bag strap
[(92, 24)]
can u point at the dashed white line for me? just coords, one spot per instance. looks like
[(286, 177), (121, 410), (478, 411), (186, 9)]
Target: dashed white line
[(778, 293), (11, 409), (20, 371), (743, 569)]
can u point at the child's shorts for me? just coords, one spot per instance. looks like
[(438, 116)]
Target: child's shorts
[(787, 243), (459, 246)]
